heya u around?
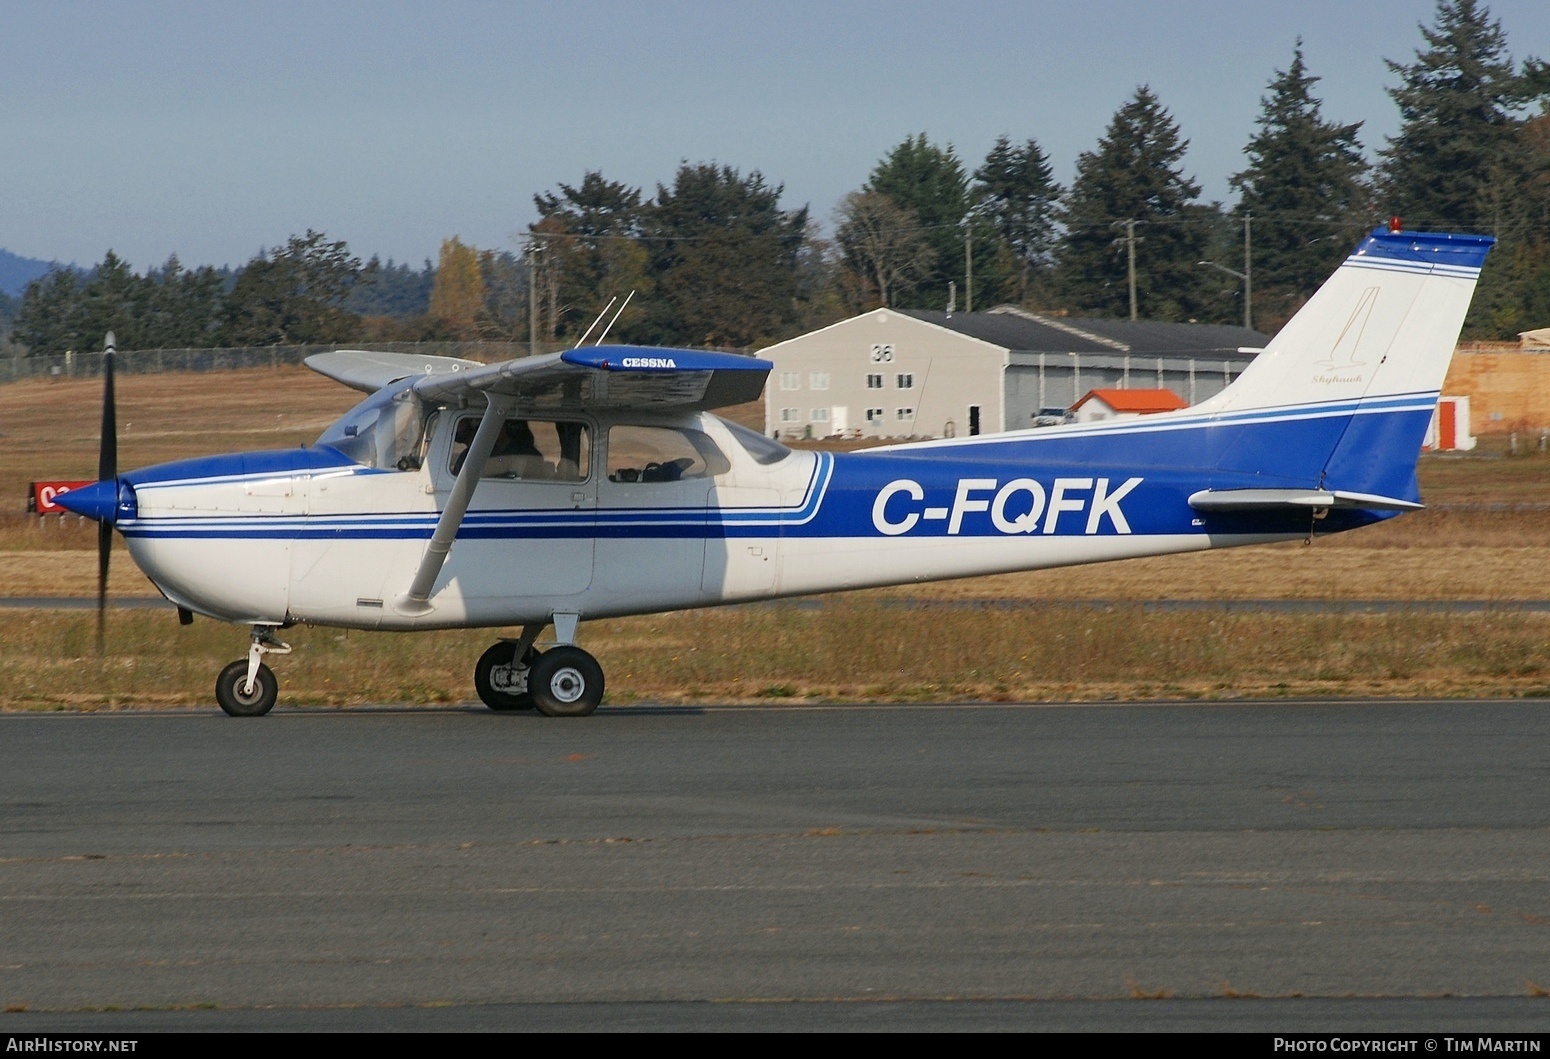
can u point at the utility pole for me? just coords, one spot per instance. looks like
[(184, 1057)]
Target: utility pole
[(533, 247), (968, 265), (1248, 273), (1130, 250)]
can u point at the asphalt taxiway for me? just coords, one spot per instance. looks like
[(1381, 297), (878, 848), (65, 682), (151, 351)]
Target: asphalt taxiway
[(1379, 865)]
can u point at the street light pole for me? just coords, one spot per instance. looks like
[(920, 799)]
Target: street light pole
[(1248, 315), (1130, 245)]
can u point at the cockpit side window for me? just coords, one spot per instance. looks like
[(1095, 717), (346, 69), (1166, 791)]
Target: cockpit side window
[(543, 450), (386, 431)]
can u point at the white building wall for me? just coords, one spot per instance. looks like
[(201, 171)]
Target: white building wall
[(821, 380)]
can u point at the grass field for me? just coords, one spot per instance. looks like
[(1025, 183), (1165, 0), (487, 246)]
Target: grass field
[(1486, 537)]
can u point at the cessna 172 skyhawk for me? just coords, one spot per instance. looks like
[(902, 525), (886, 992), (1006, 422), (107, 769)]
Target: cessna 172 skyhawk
[(594, 483)]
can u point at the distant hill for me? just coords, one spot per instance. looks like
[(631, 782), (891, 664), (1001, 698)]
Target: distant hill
[(16, 272)]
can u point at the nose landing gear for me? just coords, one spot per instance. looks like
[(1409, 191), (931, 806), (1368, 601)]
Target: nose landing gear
[(247, 687)]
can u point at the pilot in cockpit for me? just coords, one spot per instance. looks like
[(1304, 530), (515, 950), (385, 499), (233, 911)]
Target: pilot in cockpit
[(516, 454)]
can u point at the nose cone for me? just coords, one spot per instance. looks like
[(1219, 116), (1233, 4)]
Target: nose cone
[(106, 501)]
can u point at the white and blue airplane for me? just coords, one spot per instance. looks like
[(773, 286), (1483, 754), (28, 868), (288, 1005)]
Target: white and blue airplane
[(594, 483)]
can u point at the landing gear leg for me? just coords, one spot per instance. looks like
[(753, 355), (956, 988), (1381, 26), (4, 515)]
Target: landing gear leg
[(501, 674), (247, 687)]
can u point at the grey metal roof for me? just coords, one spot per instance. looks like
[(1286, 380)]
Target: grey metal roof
[(1022, 332)]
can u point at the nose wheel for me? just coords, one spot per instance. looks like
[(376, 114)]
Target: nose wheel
[(247, 687), (239, 699)]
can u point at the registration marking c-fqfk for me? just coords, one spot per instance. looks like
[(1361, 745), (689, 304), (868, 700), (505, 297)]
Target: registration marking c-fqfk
[(1015, 507)]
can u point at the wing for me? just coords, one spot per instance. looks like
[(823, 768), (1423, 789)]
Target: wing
[(643, 377), (368, 370)]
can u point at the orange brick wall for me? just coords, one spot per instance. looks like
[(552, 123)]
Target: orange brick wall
[(1506, 390)]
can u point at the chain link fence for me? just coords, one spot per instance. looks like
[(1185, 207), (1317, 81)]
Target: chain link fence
[(151, 361)]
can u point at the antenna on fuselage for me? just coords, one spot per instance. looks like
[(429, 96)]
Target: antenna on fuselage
[(615, 320), (599, 320)]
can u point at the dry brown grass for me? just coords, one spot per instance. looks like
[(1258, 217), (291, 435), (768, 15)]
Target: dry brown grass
[(49, 428), (851, 650)]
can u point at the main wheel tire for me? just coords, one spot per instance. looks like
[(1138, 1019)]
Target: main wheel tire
[(485, 679), (565, 682), (255, 703)]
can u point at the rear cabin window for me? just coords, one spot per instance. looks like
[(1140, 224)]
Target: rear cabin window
[(534, 450), (662, 454), (761, 448)]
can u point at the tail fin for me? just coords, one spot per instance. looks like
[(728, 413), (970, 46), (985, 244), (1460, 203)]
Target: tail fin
[(1371, 347)]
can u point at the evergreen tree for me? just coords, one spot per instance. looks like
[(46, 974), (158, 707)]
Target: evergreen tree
[(1304, 189), (48, 319), (61, 312), (294, 295), (1135, 175), (1017, 195), (929, 182), (1514, 290), (113, 299), (591, 252), (723, 258), (181, 309), (1458, 103), (392, 290)]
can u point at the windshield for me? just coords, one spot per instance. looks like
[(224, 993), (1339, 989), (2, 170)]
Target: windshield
[(385, 431), (761, 448)]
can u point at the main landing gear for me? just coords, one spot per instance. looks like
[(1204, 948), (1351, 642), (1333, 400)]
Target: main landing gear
[(247, 687), (563, 681)]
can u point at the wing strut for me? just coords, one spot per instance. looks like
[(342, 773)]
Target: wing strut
[(417, 599)]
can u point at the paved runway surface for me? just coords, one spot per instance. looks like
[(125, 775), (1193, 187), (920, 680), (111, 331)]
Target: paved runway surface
[(1265, 866)]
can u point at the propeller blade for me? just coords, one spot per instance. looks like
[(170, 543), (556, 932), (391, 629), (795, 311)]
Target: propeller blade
[(104, 549), (107, 471)]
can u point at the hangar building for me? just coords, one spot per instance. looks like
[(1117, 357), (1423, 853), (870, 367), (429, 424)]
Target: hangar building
[(915, 373)]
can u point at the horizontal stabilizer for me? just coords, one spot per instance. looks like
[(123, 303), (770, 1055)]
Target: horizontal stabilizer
[(369, 370), (1281, 499)]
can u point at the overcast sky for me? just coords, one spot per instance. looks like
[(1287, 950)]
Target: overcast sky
[(212, 129)]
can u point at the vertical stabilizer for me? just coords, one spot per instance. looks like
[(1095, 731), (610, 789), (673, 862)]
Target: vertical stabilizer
[(1371, 346), (1384, 325)]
